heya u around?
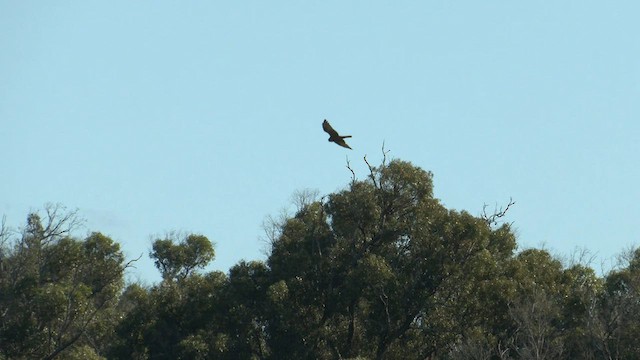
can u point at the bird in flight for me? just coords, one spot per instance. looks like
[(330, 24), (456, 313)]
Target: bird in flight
[(334, 136)]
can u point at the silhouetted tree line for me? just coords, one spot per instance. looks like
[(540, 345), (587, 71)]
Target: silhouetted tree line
[(380, 270)]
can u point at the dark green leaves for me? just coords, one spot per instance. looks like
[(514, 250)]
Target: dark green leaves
[(178, 260)]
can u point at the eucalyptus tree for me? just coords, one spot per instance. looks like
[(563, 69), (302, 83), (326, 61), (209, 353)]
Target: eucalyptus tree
[(381, 269), (58, 292)]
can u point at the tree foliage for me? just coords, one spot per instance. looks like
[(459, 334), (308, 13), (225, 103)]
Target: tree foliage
[(178, 260), (379, 270), (58, 293)]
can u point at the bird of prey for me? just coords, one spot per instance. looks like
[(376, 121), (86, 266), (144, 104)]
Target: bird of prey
[(334, 136)]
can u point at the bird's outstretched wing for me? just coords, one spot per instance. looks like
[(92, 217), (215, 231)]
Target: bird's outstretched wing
[(342, 143), (327, 127)]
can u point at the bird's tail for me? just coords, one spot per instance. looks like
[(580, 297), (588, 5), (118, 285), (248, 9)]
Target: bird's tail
[(344, 137)]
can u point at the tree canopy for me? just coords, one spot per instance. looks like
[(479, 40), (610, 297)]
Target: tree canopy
[(379, 270)]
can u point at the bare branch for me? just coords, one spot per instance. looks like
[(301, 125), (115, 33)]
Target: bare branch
[(492, 219), (57, 223), (353, 174), (580, 256), (5, 233), (372, 172), (303, 198), (129, 264), (272, 227), (384, 154), (4, 236)]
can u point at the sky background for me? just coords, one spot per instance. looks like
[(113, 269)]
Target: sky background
[(205, 116)]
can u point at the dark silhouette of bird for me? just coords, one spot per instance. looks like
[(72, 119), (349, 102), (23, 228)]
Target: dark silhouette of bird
[(334, 136)]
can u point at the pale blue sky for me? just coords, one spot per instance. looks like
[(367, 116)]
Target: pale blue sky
[(205, 116)]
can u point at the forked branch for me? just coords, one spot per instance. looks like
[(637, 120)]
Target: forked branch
[(492, 219)]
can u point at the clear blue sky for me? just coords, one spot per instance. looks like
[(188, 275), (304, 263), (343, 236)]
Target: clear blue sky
[(205, 116)]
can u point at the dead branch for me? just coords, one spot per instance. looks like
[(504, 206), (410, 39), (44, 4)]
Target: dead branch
[(59, 222), (372, 172), (492, 219), (353, 174), (303, 198), (130, 263), (384, 154)]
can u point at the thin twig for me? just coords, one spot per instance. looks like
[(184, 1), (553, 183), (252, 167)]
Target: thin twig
[(384, 154), (353, 174)]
